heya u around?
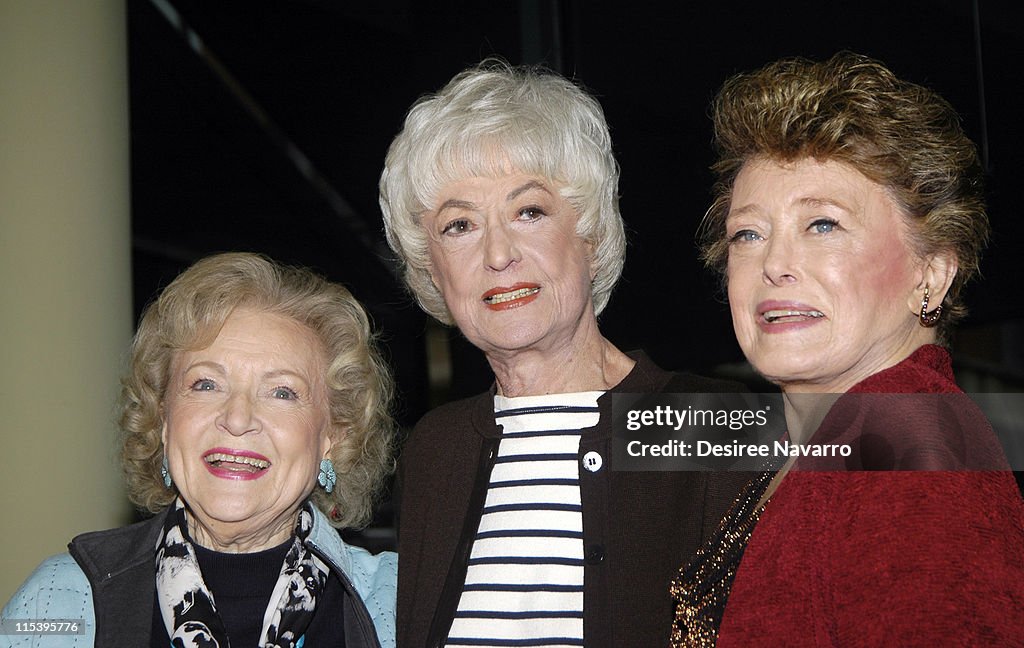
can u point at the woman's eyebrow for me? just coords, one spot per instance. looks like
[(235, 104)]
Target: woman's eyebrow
[(205, 364), (749, 208), (278, 373), (532, 184), (814, 201), (455, 203)]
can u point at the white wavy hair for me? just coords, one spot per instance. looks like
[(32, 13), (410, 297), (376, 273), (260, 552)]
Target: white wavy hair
[(488, 119)]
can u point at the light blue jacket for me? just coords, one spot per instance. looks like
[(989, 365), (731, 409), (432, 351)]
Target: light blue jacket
[(120, 565)]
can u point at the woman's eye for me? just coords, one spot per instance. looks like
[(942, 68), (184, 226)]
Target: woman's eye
[(530, 213), (744, 236), (456, 227), (204, 384), (823, 226), (284, 393)]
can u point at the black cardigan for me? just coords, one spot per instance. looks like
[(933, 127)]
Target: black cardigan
[(638, 527)]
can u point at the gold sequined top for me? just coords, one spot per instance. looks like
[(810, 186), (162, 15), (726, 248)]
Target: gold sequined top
[(701, 589)]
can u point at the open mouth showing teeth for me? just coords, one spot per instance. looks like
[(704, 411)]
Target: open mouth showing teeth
[(512, 295), (783, 316), (235, 462)]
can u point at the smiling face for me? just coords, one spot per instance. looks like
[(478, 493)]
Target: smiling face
[(505, 254), (246, 425), (822, 280)]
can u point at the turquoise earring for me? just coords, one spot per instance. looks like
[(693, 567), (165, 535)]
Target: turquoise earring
[(165, 472), (327, 477)]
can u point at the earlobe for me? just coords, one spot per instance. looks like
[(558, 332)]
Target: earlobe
[(936, 277), (432, 272), (591, 260)]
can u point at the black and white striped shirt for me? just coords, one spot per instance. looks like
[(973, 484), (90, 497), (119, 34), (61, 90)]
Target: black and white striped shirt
[(524, 584)]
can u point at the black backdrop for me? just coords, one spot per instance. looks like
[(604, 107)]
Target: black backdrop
[(216, 134)]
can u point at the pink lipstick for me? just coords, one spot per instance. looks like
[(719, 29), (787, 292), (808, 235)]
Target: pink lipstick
[(227, 463), (783, 316)]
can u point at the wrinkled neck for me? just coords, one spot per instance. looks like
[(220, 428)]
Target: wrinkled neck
[(595, 365)]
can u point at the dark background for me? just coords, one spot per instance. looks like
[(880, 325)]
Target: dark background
[(263, 126)]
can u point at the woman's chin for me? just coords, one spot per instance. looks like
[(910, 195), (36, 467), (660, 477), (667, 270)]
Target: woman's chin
[(511, 340), (236, 503), (226, 509), (787, 373)]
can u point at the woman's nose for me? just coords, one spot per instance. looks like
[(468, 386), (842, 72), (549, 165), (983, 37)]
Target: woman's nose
[(780, 261), (239, 415), (500, 248)]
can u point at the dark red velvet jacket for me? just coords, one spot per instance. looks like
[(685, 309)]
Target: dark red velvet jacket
[(924, 558)]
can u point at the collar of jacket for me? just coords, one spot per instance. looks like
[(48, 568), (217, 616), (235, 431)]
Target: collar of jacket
[(644, 377), (120, 567), (105, 555)]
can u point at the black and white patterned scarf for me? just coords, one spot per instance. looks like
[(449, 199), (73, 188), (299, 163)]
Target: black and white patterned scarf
[(188, 608)]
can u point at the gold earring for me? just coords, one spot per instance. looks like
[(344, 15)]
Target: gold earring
[(925, 318)]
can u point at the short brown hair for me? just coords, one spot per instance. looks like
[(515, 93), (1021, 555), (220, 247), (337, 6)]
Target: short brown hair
[(853, 109), (190, 313)]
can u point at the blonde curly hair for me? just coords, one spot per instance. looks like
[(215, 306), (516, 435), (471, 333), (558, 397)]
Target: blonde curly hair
[(189, 314)]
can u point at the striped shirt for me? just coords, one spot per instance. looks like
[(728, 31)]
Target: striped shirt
[(524, 583)]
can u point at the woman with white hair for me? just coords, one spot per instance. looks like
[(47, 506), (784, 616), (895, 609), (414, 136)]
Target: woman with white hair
[(500, 198)]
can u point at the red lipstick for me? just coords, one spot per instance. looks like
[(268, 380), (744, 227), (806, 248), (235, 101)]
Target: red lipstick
[(502, 298)]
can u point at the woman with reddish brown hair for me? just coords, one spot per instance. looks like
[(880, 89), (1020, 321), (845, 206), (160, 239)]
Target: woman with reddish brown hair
[(848, 217)]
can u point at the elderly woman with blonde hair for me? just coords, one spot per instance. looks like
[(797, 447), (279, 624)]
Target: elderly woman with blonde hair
[(255, 419), (848, 217)]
